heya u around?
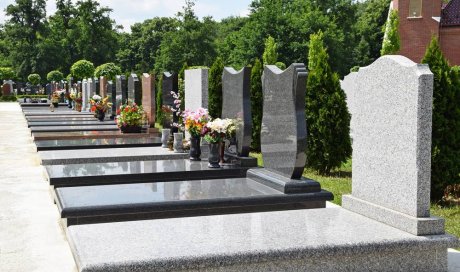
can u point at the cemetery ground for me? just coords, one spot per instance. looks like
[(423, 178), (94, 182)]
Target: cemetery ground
[(339, 183)]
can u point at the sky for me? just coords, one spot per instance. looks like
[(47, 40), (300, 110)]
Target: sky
[(128, 12)]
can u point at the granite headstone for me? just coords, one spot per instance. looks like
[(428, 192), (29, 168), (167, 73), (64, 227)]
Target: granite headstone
[(122, 89), (170, 84), (84, 95), (196, 89), (112, 90), (148, 97), (103, 86), (7, 88), (134, 89), (392, 144)]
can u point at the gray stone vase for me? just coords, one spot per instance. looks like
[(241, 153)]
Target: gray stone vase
[(178, 139), (213, 158), (164, 137)]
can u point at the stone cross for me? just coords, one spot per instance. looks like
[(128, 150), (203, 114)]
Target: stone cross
[(148, 97), (391, 106), (122, 89), (170, 84), (103, 87), (236, 104), (196, 89), (134, 89)]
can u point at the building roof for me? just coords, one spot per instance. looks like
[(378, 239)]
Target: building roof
[(450, 14)]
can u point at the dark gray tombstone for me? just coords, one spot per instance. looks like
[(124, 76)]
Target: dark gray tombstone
[(134, 89), (170, 83), (48, 89), (79, 86), (122, 88), (236, 105), (112, 91), (96, 88)]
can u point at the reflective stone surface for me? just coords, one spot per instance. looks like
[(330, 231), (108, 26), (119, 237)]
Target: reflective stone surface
[(170, 83), (74, 128), (109, 195), (122, 90), (72, 123), (284, 133), (38, 136), (149, 97), (96, 143), (236, 104), (134, 89)]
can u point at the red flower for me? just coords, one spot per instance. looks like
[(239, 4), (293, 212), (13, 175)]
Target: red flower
[(126, 109), (93, 108), (118, 112)]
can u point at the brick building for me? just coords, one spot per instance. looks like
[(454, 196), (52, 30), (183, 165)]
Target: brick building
[(419, 20)]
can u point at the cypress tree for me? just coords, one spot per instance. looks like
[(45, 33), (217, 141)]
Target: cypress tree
[(391, 40), (256, 104), (327, 116), (270, 56), (445, 151), (215, 88)]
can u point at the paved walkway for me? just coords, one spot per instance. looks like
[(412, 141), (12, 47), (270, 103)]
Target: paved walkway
[(30, 237)]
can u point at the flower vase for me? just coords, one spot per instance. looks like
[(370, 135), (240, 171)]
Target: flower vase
[(222, 152), (178, 145), (164, 137), (100, 115), (195, 148), (213, 158)]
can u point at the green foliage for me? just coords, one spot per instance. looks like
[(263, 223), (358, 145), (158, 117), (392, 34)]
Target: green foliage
[(354, 69), (68, 77), (281, 65), (445, 149), (270, 56), (34, 79), (22, 96), (327, 117), (108, 70), (8, 98), (6, 73), (215, 89), (256, 104), (54, 76), (391, 41), (82, 69)]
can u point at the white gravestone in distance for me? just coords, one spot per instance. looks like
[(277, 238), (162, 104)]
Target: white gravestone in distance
[(196, 89), (84, 94)]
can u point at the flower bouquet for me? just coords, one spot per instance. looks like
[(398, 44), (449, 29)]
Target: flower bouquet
[(194, 123), (215, 132), (100, 106), (130, 117), (78, 101)]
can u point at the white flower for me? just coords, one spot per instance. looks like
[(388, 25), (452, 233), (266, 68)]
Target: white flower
[(96, 97)]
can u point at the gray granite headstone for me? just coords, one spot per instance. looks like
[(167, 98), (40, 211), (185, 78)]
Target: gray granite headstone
[(391, 107), (92, 87), (236, 105), (48, 88), (84, 94), (134, 89), (284, 134), (111, 90), (196, 89), (122, 89), (170, 84)]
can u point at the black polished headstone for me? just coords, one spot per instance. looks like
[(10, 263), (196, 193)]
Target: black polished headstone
[(134, 89), (96, 86), (122, 89), (48, 88), (284, 132), (236, 105), (170, 83)]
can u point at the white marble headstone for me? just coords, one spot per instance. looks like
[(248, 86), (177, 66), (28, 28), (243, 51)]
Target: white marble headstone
[(196, 89)]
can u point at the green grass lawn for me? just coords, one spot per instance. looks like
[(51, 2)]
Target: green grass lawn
[(339, 183)]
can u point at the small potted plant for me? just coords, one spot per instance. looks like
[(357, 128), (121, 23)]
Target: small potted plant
[(214, 133), (194, 122), (130, 117), (100, 106)]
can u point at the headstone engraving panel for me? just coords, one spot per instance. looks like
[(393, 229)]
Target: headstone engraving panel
[(284, 133), (392, 143), (122, 88), (148, 97), (134, 89), (236, 105), (170, 84)]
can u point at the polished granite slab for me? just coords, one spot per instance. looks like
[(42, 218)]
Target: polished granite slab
[(57, 119), (71, 123), (57, 113), (96, 143), (64, 175), (109, 155), (75, 135), (96, 127), (331, 239), (27, 105), (110, 203)]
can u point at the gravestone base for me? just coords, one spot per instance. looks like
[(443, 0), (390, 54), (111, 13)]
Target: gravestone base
[(240, 161), (410, 224)]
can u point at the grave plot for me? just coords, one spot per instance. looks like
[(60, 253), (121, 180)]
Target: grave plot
[(76, 135), (96, 127), (96, 143), (71, 123)]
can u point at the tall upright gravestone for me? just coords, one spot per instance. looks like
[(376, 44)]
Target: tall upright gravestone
[(91, 86), (103, 87), (112, 91), (148, 97), (392, 144), (84, 95), (122, 89), (134, 89), (236, 105), (196, 89), (96, 86), (7, 87), (170, 84)]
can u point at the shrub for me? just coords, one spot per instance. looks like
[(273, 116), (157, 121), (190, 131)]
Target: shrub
[(391, 40), (215, 89), (34, 79), (108, 70), (281, 65), (55, 76), (270, 56), (82, 69), (256, 104), (6, 73), (327, 116), (445, 148)]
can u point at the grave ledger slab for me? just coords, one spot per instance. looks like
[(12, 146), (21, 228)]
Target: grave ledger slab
[(96, 143)]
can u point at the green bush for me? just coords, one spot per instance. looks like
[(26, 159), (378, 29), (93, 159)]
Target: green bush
[(391, 41), (8, 98), (55, 76), (22, 96), (108, 70), (270, 56), (256, 104), (82, 69), (215, 89), (445, 148), (280, 65), (34, 79), (327, 116), (6, 73)]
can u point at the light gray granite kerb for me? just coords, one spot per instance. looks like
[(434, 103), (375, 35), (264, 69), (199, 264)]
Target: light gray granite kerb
[(391, 106)]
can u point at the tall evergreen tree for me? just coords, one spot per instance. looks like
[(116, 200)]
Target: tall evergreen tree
[(215, 88), (391, 40), (327, 116), (270, 55), (445, 148), (256, 104)]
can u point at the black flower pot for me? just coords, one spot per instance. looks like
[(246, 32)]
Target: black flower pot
[(213, 159), (100, 115), (195, 149), (131, 129), (56, 105)]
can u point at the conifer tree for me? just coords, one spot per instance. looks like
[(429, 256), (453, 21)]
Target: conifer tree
[(327, 116), (270, 56), (215, 88), (256, 104), (445, 148), (391, 40)]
